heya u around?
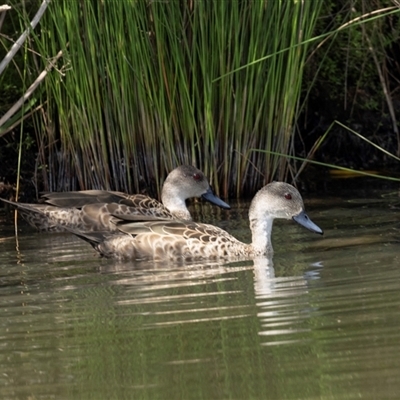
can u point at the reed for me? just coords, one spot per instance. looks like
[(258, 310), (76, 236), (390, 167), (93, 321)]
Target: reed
[(134, 88), (143, 86)]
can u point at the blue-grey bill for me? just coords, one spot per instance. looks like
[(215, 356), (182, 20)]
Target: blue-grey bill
[(212, 198), (304, 220)]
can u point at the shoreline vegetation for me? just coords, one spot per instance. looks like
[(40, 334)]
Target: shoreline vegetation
[(114, 95)]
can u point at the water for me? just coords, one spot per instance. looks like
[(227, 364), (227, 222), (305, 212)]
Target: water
[(319, 321)]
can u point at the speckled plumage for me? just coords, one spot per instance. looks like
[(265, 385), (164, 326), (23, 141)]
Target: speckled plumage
[(193, 241), (95, 210)]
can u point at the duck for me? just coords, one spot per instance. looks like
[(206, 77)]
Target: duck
[(98, 210), (190, 241)]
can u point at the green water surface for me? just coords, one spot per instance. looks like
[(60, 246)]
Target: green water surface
[(321, 320)]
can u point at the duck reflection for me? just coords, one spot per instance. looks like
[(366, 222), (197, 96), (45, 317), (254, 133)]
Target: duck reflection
[(283, 301)]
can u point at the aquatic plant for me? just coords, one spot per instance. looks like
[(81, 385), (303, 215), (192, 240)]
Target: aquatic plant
[(134, 88), (144, 86)]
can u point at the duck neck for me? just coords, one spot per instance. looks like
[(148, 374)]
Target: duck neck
[(176, 206), (261, 236)]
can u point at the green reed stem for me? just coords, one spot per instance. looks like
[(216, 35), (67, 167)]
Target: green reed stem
[(146, 85)]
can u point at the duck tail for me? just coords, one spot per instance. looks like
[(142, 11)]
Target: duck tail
[(94, 238), (35, 208)]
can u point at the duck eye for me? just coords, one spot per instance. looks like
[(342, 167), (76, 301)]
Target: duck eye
[(288, 196), (197, 177)]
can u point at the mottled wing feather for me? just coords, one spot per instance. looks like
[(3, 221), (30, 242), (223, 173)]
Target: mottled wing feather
[(171, 240), (182, 229), (93, 216), (128, 207), (134, 228), (149, 210), (140, 201)]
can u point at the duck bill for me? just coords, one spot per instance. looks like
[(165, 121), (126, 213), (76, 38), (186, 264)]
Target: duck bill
[(213, 199), (304, 220)]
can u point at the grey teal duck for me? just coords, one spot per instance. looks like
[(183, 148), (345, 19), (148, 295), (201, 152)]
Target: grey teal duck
[(98, 210), (186, 240)]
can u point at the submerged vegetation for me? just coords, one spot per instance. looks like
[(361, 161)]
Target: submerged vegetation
[(127, 90)]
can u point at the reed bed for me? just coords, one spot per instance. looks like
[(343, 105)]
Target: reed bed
[(130, 89), (143, 86)]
